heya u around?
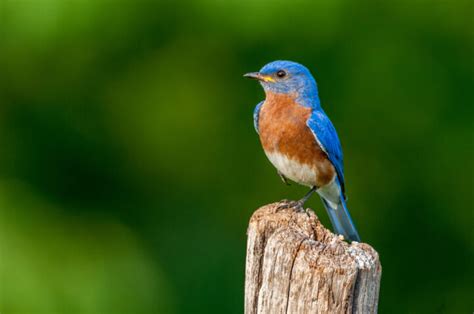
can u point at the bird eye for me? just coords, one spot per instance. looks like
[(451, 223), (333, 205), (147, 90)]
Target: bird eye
[(281, 74)]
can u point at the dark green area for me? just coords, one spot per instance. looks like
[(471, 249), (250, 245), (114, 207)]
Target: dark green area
[(129, 164)]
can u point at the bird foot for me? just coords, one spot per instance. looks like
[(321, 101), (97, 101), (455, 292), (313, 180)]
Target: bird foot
[(299, 205), (287, 204)]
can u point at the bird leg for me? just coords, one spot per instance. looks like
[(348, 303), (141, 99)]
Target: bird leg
[(302, 201), (298, 204), (283, 178)]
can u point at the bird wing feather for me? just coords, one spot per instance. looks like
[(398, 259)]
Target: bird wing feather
[(256, 113), (326, 136)]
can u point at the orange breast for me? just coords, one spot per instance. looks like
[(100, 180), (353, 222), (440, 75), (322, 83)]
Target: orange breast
[(283, 130)]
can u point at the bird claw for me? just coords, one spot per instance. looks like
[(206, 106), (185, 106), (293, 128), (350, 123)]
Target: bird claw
[(299, 205), (287, 204)]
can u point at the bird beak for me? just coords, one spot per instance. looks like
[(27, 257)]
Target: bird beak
[(259, 76)]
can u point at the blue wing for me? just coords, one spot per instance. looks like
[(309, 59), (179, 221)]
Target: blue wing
[(256, 112), (327, 138)]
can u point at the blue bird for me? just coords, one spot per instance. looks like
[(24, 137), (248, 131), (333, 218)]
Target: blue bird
[(300, 140)]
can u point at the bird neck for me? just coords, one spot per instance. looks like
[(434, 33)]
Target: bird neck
[(308, 97), (303, 99), (305, 93)]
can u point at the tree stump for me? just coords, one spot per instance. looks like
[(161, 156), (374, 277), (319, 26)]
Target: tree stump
[(295, 265)]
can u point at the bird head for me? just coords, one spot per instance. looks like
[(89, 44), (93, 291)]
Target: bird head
[(288, 77)]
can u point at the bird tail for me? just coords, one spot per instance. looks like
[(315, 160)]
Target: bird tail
[(341, 219)]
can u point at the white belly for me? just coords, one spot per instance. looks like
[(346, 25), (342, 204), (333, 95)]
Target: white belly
[(293, 170), (305, 175)]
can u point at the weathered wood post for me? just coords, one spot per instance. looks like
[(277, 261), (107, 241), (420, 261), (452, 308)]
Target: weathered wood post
[(295, 265)]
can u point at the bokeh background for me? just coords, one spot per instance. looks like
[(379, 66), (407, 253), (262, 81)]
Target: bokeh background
[(129, 165)]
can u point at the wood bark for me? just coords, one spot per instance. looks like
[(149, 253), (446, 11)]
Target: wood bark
[(295, 265)]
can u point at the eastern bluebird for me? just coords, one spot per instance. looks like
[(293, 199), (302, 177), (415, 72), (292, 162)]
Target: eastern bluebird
[(300, 140)]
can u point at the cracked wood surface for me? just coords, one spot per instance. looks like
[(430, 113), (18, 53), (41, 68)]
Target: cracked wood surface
[(295, 265)]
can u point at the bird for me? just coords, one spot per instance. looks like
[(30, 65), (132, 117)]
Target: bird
[(300, 140)]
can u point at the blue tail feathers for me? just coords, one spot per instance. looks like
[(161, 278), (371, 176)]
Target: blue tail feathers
[(341, 220)]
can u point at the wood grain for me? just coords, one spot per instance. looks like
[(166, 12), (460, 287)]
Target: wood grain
[(295, 265)]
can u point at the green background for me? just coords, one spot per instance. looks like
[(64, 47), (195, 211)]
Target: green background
[(129, 165)]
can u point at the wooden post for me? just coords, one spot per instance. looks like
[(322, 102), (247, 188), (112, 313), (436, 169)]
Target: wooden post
[(295, 265)]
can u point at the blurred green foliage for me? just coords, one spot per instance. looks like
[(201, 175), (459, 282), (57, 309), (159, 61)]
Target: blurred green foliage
[(130, 167)]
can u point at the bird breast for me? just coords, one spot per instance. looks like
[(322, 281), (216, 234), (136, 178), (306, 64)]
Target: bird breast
[(289, 143)]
